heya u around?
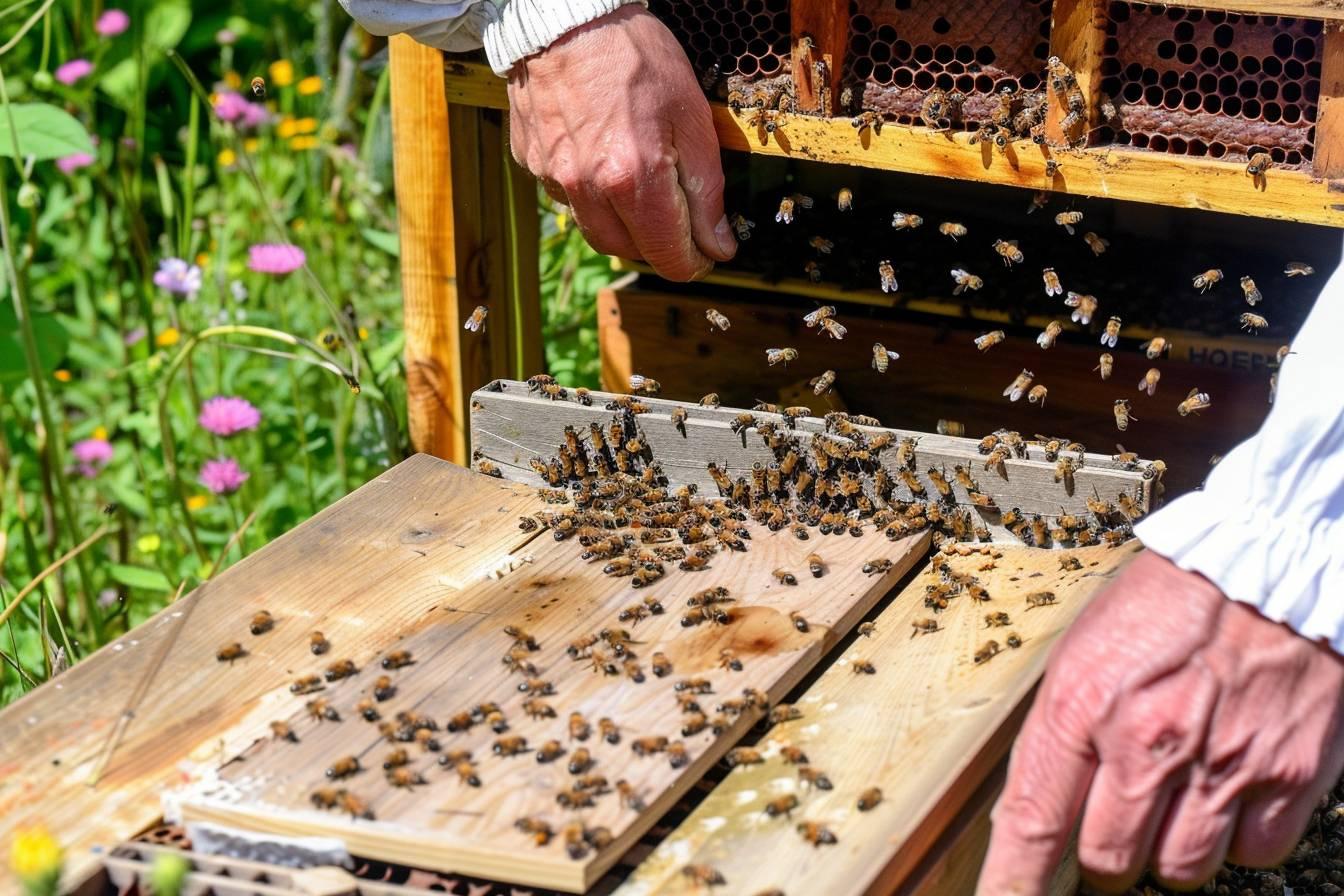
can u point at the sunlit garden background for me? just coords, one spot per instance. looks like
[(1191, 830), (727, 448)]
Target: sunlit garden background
[(200, 332)]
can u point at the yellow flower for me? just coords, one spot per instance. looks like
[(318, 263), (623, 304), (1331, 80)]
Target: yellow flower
[(251, 144), (35, 858), (305, 126), (363, 333), (562, 222), (302, 143), (198, 502), (100, 432), (287, 128), (298, 224), (233, 79), (282, 73), (202, 259), (62, 376), (148, 544), (310, 85), (227, 158), (167, 338)]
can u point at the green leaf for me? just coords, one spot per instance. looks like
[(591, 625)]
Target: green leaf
[(52, 343), (139, 577), (45, 132), (167, 23), (381, 239)]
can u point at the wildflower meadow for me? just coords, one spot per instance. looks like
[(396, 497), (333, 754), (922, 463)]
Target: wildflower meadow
[(200, 331)]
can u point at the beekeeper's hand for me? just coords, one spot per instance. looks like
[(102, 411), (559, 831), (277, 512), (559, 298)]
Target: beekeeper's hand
[(1185, 728), (612, 120)]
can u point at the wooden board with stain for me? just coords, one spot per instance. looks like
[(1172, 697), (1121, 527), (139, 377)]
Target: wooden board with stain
[(558, 599), (399, 551), (927, 728)]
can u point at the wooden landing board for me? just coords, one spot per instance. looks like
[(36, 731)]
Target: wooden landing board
[(557, 598), (399, 549), (511, 426), (927, 728)]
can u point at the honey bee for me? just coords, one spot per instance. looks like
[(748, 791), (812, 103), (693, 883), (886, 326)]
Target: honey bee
[(662, 666), (986, 652), (580, 761), (677, 755), (785, 213), (833, 328), (1084, 306), (743, 756), (383, 689), (742, 226), (343, 768), (695, 723), (540, 831), (644, 385), (550, 751), (476, 321), (1097, 244), (355, 806), (233, 651), (574, 798), (906, 221), (952, 229), (512, 745), (282, 731), (814, 777), (783, 356), (813, 271), (1040, 599), (866, 629), (867, 120), (1258, 164), (703, 875), (1298, 269), (1111, 335), (1207, 280), (261, 623), (1105, 364), (647, 746), (1194, 402), (934, 109), (1009, 252), (629, 797), (924, 627), (396, 759), (1251, 292), (882, 357), (869, 799), (1067, 220), (325, 797), (259, 87), (783, 805), (647, 575), (821, 244), (822, 384), (988, 340), (318, 643), (1052, 284), (864, 667), (1253, 322), (1048, 336), (815, 833), (1149, 382), (784, 577), (1019, 386), (887, 276)]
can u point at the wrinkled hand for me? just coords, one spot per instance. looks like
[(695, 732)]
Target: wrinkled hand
[(1185, 727), (611, 119)]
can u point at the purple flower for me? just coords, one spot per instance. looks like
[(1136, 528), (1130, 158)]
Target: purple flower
[(91, 455), (112, 22), (231, 106), (133, 336), (176, 276), (70, 72), (225, 415), (108, 597), (275, 258), (75, 161), (224, 37), (223, 476)]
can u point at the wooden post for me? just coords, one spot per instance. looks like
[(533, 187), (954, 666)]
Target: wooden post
[(820, 35), (1077, 37), (1329, 159)]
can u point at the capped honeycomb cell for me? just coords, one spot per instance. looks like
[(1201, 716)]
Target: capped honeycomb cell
[(1246, 83), (898, 51), (742, 40)]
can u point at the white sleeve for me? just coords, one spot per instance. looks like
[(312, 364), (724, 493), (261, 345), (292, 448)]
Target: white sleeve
[(508, 29), (1268, 527)]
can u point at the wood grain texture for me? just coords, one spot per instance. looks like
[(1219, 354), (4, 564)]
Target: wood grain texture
[(1307, 9), (431, 306), (1329, 158), (1077, 37), (1102, 171), (400, 548), (928, 728), (557, 598), (820, 38), (511, 426)]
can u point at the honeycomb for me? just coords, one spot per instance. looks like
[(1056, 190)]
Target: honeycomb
[(899, 50), (746, 39), (1208, 83)]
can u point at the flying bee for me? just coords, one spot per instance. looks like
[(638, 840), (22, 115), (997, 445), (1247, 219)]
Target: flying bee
[(906, 221), (785, 213), (1111, 335), (343, 768), (813, 271), (783, 356), (703, 875), (259, 87), (986, 652), (1019, 386), (988, 340), (1298, 269), (952, 229), (1194, 402), (261, 623), (1008, 251), (833, 328), (1040, 599), (717, 319), (1084, 306), (815, 833), (1251, 291), (1155, 347), (1067, 220), (1052, 285), (1048, 336), (882, 357), (821, 244), (1149, 382), (645, 385), (1105, 364), (1037, 394), (867, 120), (742, 226), (233, 651), (1122, 414), (887, 276), (1097, 244), (822, 384), (1207, 280), (476, 321), (1129, 508), (1253, 322), (1258, 164)]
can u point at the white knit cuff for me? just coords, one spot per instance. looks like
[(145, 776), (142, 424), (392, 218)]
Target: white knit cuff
[(524, 27), (1290, 569)]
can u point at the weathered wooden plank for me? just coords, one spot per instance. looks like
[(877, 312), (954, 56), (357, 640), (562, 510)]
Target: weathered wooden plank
[(1101, 171), (557, 598), (400, 548), (1307, 9), (820, 38), (1077, 37), (1329, 147), (511, 427), (927, 729)]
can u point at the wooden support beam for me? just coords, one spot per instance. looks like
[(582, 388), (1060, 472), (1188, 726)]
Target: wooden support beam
[(1306, 9), (1329, 158), (1077, 37), (820, 38)]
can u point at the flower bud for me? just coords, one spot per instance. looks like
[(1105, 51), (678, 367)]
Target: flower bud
[(29, 195), (43, 80)]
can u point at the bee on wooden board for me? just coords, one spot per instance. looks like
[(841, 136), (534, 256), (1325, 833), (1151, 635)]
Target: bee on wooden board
[(906, 221), (1258, 164), (923, 627), (233, 651), (550, 751), (343, 768), (867, 120), (996, 620), (815, 833), (1207, 280), (869, 799), (784, 577), (647, 746), (1019, 386), (1149, 381), (863, 667), (1067, 220), (1047, 337), (318, 643), (783, 805), (1253, 323), (1084, 306), (540, 831), (743, 756), (476, 320), (1298, 269), (1097, 244), (952, 229), (986, 652), (1052, 284), (677, 755), (866, 629), (580, 761), (882, 357), (662, 666), (1009, 252), (785, 712), (282, 731), (511, 745), (703, 875), (1194, 402), (261, 623), (325, 797), (814, 777), (383, 688), (887, 276), (1040, 599), (574, 798)]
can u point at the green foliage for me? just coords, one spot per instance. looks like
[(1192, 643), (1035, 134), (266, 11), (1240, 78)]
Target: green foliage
[(42, 132), (571, 275)]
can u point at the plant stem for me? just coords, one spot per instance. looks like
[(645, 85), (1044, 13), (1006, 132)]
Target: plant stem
[(51, 568)]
